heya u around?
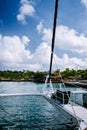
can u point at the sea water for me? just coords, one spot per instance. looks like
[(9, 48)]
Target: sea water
[(28, 112)]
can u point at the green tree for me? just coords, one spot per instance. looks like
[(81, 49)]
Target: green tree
[(39, 76)]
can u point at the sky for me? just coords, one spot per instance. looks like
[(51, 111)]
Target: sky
[(26, 33)]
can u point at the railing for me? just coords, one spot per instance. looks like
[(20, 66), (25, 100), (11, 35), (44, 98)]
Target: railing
[(79, 97), (61, 96)]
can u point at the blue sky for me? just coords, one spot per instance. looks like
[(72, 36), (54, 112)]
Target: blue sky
[(26, 32)]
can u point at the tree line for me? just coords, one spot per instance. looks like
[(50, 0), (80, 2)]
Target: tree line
[(9, 75), (40, 76)]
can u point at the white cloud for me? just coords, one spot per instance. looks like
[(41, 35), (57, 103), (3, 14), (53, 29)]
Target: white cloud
[(47, 35), (14, 53), (46, 32), (39, 27), (12, 49), (84, 2), (68, 62), (25, 40), (73, 62), (66, 39), (69, 39), (41, 58), (26, 9), (42, 54)]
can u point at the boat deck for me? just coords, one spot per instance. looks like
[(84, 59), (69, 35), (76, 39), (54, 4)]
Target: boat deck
[(22, 94), (79, 112), (74, 110), (80, 84)]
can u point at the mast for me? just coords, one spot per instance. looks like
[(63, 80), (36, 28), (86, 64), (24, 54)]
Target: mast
[(53, 39)]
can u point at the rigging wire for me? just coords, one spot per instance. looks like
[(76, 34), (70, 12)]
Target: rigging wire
[(3, 91), (78, 122), (5, 111), (52, 49), (52, 52), (76, 64), (12, 116)]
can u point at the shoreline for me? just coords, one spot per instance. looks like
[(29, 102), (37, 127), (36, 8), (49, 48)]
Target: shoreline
[(79, 84), (15, 80)]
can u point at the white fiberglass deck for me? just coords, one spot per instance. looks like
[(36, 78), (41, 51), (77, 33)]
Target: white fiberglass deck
[(22, 94), (78, 111)]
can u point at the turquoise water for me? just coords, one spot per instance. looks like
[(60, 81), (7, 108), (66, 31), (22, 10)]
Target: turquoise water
[(29, 112), (29, 87)]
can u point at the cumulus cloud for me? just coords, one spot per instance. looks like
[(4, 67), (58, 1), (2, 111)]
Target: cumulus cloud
[(71, 40), (66, 39), (39, 27), (42, 56), (84, 2), (15, 55), (47, 35), (72, 62), (13, 50), (25, 10), (46, 32)]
